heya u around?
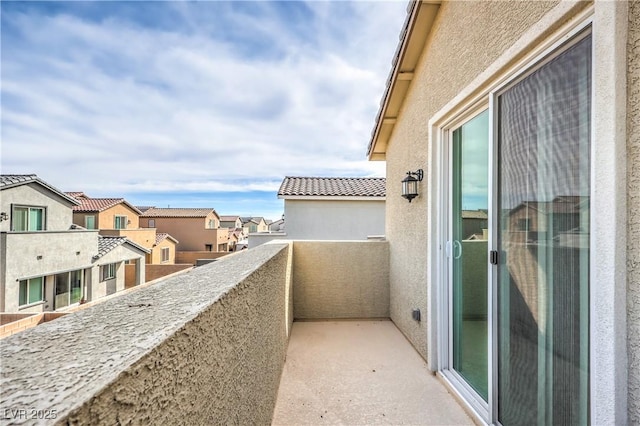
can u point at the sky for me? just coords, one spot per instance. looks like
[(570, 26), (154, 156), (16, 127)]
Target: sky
[(193, 104)]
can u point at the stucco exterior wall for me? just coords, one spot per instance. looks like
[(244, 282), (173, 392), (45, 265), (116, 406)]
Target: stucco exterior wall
[(106, 218), (190, 232), (633, 237), (59, 251), (146, 237), (206, 347), (59, 216), (340, 279), (466, 38), (333, 219)]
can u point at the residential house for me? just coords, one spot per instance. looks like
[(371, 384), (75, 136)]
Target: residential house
[(527, 112), (333, 208), (277, 225), (48, 263), (196, 229), (255, 224), (118, 218), (110, 263), (231, 222)]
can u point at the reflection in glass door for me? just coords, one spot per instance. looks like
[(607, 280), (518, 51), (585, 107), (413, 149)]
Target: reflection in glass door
[(543, 273), (469, 251)]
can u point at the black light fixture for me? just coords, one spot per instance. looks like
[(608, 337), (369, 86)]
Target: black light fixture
[(410, 184)]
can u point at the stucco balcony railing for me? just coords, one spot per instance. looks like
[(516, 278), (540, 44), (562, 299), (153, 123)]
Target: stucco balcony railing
[(209, 347)]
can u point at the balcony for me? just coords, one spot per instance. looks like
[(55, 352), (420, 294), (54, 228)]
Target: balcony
[(209, 347)]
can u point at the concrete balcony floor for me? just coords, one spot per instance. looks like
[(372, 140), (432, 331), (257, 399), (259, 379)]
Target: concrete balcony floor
[(359, 373)]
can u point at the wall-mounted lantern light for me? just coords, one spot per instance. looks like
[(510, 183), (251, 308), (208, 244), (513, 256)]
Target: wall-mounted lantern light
[(410, 184), (3, 216)]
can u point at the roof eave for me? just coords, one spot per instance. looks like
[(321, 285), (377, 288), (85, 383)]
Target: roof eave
[(414, 35)]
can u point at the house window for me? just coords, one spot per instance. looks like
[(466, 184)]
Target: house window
[(253, 228), (152, 223), (107, 272), (90, 222), (120, 222), (165, 254), (211, 224), (524, 224), (26, 218), (31, 291), (208, 247)]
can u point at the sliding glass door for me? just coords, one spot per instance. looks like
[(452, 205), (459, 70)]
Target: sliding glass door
[(469, 231), (517, 246), (543, 213)]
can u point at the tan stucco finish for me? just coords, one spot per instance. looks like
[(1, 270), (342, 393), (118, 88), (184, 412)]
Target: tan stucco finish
[(340, 279), (192, 233), (106, 218), (633, 236), (466, 38)]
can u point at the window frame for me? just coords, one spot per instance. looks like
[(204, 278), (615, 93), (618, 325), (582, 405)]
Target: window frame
[(165, 254), (28, 208), (27, 283), (91, 216), (115, 221), (107, 272)]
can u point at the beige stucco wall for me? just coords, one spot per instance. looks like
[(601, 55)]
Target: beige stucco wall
[(156, 254), (633, 237), (466, 38), (340, 279), (106, 218), (146, 237), (190, 232), (207, 347), (59, 215)]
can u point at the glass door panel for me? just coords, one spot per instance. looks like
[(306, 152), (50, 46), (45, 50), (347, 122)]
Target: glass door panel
[(61, 290), (543, 214), (469, 252)]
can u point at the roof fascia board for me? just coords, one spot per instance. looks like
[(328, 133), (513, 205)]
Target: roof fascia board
[(413, 38)]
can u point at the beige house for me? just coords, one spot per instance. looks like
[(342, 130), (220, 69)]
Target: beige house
[(528, 113), (196, 229), (115, 217), (255, 224), (46, 262), (232, 222)]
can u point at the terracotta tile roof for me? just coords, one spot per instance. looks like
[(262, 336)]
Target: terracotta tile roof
[(144, 208), (106, 244), (332, 187), (9, 181), (228, 218), (177, 212), (100, 204)]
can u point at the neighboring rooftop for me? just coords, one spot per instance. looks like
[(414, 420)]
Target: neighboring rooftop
[(228, 218), (106, 244), (332, 187), (9, 181), (178, 212), (161, 236), (98, 204)]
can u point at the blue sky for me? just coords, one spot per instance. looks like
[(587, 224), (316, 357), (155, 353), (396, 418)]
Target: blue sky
[(193, 104)]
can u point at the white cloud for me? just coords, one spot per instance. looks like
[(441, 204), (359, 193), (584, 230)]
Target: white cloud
[(107, 103)]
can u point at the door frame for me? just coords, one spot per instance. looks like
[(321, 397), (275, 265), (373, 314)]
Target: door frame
[(445, 344)]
